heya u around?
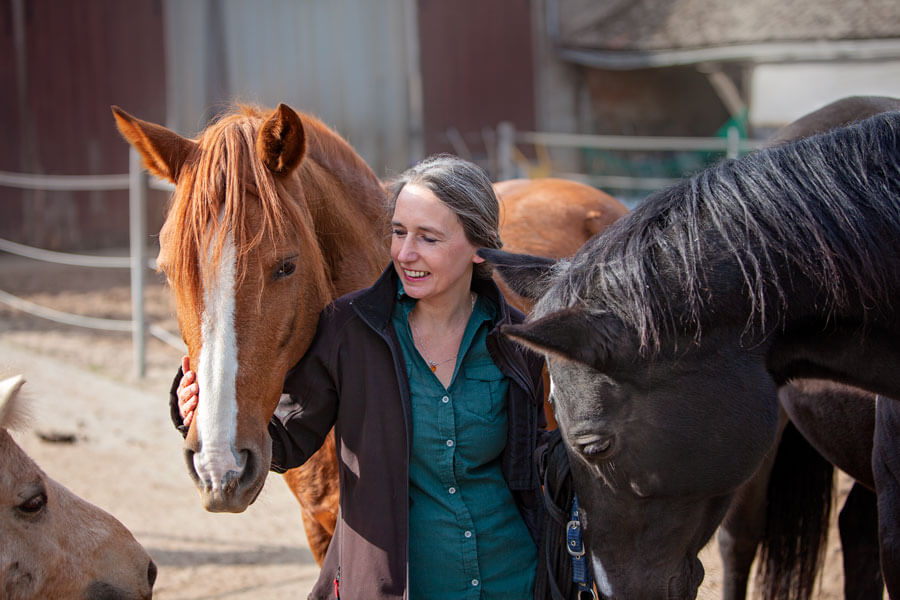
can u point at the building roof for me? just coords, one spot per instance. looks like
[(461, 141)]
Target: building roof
[(646, 33)]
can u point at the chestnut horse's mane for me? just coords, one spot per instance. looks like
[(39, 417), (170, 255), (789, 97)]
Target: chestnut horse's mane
[(209, 200)]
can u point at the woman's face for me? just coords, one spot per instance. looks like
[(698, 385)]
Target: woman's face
[(429, 248)]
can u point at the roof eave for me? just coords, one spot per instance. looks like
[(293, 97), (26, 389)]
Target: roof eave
[(757, 53)]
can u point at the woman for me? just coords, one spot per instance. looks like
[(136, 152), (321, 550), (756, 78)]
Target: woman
[(436, 416)]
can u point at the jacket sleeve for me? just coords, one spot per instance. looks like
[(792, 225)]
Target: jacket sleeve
[(308, 408)]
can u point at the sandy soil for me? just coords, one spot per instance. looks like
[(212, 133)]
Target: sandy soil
[(127, 457)]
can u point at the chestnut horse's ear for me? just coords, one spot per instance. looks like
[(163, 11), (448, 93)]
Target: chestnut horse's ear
[(162, 150), (281, 141), (526, 275), (575, 335)]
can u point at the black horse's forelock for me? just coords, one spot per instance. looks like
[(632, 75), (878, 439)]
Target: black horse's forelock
[(823, 206)]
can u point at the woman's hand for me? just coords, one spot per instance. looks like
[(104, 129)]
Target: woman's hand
[(188, 391)]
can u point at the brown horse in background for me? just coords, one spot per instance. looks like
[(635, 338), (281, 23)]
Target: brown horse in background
[(552, 218), (273, 216)]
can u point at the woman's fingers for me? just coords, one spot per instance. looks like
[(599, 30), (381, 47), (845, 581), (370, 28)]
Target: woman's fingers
[(188, 392)]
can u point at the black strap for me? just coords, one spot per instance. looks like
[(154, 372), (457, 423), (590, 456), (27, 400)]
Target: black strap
[(555, 580)]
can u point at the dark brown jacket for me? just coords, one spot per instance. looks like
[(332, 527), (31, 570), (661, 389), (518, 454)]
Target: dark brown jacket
[(353, 378)]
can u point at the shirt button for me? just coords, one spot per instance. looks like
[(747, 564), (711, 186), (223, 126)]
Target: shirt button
[(474, 582), (449, 443), (445, 399), (468, 534), (452, 490)]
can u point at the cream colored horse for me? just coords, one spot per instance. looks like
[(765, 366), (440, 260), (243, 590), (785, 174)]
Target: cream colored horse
[(53, 544)]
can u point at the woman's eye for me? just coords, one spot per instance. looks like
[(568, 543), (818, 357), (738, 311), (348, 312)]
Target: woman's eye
[(399, 233), (429, 240), (34, 504), (285, 269)]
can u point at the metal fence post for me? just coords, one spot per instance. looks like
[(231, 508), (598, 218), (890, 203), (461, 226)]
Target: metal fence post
[(734, 142), (137, 211), (506, 139)]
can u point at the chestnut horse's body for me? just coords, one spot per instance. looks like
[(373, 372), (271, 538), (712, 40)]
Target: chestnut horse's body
[(273, 216), (53, 544), (550, 217)]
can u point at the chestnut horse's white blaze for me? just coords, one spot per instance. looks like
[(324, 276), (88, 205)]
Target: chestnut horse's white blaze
[(218, 462)]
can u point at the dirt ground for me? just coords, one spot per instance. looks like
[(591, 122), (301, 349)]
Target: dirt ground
[(127, 459)]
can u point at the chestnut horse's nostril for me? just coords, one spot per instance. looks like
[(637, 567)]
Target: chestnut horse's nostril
[(151, 574)]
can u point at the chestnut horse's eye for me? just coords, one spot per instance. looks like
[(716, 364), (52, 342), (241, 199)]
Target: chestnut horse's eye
[(34, 504), (285, 269)]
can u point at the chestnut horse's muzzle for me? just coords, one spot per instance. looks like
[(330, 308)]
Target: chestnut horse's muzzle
[(231, 489)]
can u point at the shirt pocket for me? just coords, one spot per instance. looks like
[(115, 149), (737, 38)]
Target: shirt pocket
[(482, 392)]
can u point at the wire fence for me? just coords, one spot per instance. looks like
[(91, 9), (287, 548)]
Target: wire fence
[(136, 181), (510, 163)]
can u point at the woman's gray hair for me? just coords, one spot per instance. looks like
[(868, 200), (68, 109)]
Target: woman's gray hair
[(465, 189)]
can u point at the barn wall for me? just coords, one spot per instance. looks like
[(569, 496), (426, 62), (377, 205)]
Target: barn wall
[(62, 64), (343, 61), (477, 69)]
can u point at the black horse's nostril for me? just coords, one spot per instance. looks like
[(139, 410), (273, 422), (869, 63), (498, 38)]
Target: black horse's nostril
[(151, 574)]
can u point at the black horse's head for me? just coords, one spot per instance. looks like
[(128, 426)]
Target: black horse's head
[(652, 468)]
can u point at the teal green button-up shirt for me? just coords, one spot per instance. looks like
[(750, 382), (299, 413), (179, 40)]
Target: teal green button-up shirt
[(466, 537)]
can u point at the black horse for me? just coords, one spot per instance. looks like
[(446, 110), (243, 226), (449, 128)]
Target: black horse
[(783, 510), (668, 335)]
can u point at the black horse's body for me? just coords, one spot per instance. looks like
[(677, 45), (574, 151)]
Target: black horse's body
[(784, 513), (668, 335)]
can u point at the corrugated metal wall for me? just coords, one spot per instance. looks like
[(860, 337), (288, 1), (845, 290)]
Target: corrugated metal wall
[(344, 61)]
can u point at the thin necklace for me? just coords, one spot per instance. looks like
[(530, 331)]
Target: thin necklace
[(432, 364)]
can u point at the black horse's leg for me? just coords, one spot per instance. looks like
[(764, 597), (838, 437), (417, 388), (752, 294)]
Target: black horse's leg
[(740, 532), (858, 524), (886, 467), (743, 527)]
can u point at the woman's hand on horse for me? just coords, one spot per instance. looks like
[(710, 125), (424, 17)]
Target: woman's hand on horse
[(187, 393)]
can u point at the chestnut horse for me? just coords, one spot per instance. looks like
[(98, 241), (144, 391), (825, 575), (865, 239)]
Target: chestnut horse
[(272, 217), (54, 544)]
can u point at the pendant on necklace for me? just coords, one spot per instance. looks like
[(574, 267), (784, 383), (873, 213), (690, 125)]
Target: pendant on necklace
[(433, 366)]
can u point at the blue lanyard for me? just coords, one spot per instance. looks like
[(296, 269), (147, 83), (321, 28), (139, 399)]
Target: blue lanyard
[(581, 573)]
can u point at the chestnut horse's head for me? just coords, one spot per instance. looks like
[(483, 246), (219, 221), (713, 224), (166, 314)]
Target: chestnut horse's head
[(55, 544), (240, 250)]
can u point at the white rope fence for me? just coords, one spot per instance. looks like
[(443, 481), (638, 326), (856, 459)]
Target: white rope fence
[(136, 181)]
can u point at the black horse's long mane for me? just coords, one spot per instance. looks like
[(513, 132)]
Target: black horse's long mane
[(823, 209)]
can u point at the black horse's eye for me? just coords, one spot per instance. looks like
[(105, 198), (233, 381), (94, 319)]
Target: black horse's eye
[(596, 448), (285, 269), (34, 504)]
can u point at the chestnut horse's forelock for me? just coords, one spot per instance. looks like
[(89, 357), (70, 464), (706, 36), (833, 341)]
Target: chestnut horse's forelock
[(209, 203)]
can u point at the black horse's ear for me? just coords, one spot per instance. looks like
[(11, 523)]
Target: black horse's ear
[(575, 335), (525, 274)]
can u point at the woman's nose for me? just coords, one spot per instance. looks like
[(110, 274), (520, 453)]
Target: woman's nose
[(407, 251)]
